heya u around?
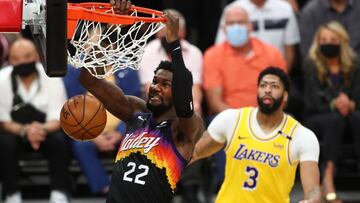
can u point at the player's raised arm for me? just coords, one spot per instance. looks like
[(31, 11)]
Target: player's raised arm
[(190, 124), (109, 94)]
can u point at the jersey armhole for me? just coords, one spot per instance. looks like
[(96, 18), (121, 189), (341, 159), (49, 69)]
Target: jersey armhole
[(289, 147), (234, 131)]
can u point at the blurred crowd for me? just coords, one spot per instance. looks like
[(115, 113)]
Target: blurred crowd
[(226, 44)]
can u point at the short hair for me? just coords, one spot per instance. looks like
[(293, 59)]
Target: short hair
[(284, 78), (164, 65)]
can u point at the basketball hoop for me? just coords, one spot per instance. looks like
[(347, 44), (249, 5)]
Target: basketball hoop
[(104, 41)]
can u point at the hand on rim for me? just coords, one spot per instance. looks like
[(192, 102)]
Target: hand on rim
[(121, 7), (172, 27)]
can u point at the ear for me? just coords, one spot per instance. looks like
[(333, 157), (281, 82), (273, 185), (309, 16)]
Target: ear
[(250, 27), (286, 97)]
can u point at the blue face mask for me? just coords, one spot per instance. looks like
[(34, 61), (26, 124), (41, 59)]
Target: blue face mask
[(236, 34)]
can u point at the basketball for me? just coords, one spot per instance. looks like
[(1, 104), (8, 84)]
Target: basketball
[(83, 117)]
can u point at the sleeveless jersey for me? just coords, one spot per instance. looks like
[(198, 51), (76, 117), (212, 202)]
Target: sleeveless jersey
[(258, 170), (148, 165)]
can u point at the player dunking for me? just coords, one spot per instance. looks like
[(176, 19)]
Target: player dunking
[(161, 133), (263, 147)]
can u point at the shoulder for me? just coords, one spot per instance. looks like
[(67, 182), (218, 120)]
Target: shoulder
[(305, 134), (5, 72), (228, 115), (49, 81), (192, 49), (311, 6), (268, 49), (217, 48), (153, 47), (281, 5)]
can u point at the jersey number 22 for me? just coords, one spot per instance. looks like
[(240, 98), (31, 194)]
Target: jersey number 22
[(144, 171)]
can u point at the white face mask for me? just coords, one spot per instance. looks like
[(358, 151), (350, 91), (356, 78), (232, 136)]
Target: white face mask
[(237, 34)]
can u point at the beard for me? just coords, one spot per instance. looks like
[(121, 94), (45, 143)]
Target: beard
[(269, 108), (159, 109)]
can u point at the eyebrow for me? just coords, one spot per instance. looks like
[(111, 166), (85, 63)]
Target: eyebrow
[(161, 78)]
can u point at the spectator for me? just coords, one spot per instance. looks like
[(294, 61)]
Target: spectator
[(88, 153), (232, 67), (332, 94), (317, 12), (158, 50), (273, 21), (29, 116)]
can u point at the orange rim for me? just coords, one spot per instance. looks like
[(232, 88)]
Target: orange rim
[(97, 12)]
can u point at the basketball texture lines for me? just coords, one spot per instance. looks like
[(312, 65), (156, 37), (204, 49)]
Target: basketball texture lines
[(83, 117)]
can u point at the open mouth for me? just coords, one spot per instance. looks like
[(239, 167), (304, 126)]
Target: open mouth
[(267, 100), (155, 98)]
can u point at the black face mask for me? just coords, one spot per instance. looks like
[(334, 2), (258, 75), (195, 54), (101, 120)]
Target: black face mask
[(25, 69), (330, 50), (165, 45)]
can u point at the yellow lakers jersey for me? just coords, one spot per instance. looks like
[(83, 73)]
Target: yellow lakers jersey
[(258, 170)]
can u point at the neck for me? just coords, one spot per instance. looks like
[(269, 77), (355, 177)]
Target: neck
[(243, 50), (339, 5), (28, 79), (333, 61), (259, 3), (270, 122)]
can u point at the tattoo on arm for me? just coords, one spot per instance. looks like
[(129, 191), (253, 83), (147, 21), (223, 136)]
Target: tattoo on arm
[(313, 194)]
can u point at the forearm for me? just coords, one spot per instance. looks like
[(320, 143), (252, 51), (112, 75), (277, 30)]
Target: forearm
[(12, 127), (111, 96), (313, 195), (51, 126), (310, 179), (206, 147), (182, 83)]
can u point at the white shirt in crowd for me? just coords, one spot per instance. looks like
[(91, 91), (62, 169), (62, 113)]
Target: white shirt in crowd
[(46, 94), (154, 53), (274, 23), (304, 144)]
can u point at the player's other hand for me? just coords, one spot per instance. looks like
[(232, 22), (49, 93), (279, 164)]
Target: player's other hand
[(121, 7), (172, 27)]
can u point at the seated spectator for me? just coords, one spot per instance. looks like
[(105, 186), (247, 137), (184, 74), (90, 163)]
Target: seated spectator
[(317, 12), (158, 50), (231, 68), (87, 153), (29, 118), (332, 95), (273, 22)]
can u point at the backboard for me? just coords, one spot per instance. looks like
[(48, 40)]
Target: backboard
[(46, 22)]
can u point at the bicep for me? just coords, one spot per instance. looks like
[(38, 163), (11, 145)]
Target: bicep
[(206, 146)]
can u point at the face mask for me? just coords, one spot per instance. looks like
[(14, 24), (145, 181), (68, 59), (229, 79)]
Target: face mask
[(24, 69), (330, 50), (236, 34)]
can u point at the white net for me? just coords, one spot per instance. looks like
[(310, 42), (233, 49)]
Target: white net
[(105, 48)]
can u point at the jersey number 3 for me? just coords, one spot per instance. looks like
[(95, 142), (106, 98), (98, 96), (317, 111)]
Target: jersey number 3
[(144, 171), (253, 174)]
